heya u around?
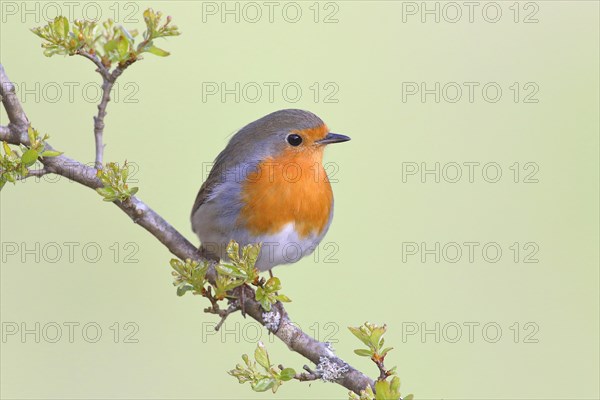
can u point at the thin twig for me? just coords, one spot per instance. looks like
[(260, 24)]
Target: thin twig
[(35, 173), (101, 68), (233, 307), (296, 339), (383, 373), (309, 375), (108, 81), (99, 122)]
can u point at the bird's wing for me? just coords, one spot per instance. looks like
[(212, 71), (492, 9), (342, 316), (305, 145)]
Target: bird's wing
[(233, 156), (227, 159), (206, 189)]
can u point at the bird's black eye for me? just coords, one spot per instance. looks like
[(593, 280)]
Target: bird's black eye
[(294, 139)]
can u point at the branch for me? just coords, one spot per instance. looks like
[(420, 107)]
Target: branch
[(298, 341), (13, 108), (307, 376)]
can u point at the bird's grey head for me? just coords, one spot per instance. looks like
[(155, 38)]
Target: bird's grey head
[(276, 132)]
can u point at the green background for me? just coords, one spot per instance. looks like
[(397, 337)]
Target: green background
[(169, 132)]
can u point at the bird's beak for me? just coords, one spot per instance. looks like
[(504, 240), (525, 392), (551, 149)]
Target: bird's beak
[(333, 138)]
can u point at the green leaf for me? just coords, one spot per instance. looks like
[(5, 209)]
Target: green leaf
[(376, 335), (7, 149), (51, 153), (61, 26), (23, 170), (183, 288), (265, 303), (395, 385), (252, 253), (383, 392), (230, 270), (287, 374), (283, 298), (127, 34), (49, 52), (263, 384), (261, 356), (360, 335), (109, 46), (32, 134), (123, 47), (363, 352), (276, 385), (157, 52), (385, 351), (29, 157), (124, 172), (107, 192), (273, 284), (149, 15), (65, 27)]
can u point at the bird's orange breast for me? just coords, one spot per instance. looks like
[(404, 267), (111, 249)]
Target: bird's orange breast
[(291, 188)]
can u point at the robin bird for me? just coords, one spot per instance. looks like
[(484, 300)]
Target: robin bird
[(268, 185)]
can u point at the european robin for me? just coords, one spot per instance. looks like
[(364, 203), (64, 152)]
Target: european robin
[(269, 186)]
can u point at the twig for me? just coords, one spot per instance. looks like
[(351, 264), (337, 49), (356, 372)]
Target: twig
[(35, 173), (99, 122), (383, 373), (296, 340), (101, 68), (108, 81), (307, 376), (233, 307)]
